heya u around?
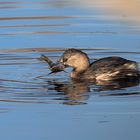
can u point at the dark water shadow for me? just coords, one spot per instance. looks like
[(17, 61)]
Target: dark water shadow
[(78, 92)]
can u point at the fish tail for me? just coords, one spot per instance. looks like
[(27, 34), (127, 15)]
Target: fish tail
[(45, 58)]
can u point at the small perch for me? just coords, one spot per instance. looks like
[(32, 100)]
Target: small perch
[(54, 67)]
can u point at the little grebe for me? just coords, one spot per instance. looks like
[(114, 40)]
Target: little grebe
[(104, 69)]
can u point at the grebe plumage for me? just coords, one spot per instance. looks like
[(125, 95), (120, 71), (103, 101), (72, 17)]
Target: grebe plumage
[(104, 69)]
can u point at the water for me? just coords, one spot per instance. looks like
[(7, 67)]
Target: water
[(39, 106)]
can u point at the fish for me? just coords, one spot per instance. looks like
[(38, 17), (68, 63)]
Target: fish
[(54, 67)]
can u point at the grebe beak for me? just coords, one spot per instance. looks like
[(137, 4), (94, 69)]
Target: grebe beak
[(62, 62)]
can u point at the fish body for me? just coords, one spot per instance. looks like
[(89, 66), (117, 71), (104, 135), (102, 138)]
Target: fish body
[(54, 67)]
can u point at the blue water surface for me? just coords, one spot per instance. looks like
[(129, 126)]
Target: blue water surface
[(38, 106)]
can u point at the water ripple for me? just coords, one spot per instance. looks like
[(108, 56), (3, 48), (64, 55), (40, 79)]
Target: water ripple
[(32, 84), (50, 27), (34, 17)]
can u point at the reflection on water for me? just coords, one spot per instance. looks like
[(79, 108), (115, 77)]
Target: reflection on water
[(123, 10), (24, 78), (77, 92), (66, 24)]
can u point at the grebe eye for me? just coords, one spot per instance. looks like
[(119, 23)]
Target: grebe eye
[(65, 59)]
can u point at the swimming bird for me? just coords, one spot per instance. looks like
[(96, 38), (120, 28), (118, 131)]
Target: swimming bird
[(104, 69)]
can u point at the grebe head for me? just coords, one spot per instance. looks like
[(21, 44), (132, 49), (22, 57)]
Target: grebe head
[(75, 59)]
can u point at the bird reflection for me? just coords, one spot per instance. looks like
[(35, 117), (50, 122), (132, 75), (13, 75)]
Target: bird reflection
[(78, 92), (75, 92), (119, 84)]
